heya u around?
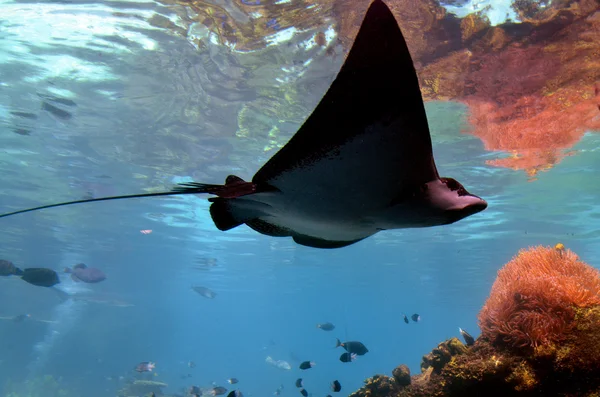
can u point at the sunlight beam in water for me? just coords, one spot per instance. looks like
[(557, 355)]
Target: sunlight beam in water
[(64, 317)]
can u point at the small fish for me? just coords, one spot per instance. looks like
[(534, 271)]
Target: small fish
[(353, 347), (191, 364), (208, 262), (281, 364), (146, 231), (90, 275), (205, 292), (55, 99), (416, 318), (278, 391), (232, 381), (469, 340), (304, 392), (299, 383), (348, 357), (326, 326), (194, 391), (25, 115), (217, 391), (405, 318), (56, 111), (21, 317), (307, 365), (336, 386), (145, 366), (40, 277), (22, 131), (235, 393), (7, 268)]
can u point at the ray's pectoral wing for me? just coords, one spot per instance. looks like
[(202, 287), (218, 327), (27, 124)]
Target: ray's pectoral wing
[(370, 130)]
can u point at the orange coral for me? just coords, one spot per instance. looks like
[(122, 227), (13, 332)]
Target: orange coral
[(535, 296)]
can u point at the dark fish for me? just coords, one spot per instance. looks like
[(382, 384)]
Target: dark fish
[(208, 262), (22, 131), (205, 292), (55, 111), (326, 326), (347, 357), (217, 391), (235, 393), (21, 317), (405, 318), (336, 386), (80, 272), (191, 364), (55, 99), (353, 347), (307, 364), (232, 381), (304, 392), (278, 391), (7, 268), (361, 163), (469, 340), (299, 382), (41, 277), (145, 366), (25, 115), (194, 390), (416, 318)]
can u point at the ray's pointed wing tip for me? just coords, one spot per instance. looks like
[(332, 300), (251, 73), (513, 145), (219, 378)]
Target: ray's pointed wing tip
[(378, 7)]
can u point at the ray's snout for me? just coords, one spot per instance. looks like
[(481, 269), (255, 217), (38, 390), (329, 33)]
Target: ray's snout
[(469, 205)]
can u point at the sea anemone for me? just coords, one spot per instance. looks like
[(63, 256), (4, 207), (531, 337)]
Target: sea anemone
[(535, 298)]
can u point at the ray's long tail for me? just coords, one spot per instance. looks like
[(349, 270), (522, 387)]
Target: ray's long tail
[(233, 187)]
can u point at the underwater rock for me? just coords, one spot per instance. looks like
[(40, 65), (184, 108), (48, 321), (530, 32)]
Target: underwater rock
[(378, 385), (540, 337), (402, 375), (441, 355)]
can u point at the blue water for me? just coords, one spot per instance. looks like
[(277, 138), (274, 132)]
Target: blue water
[(149, 110)]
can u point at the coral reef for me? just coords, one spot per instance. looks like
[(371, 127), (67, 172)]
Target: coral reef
[(142, 388), (540, 337), (42, 386), (536, 296)]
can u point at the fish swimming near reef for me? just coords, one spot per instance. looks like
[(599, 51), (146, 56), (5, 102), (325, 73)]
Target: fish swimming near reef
[(281, 364), (205, 292), (40, 276), (145, 366), (361, 163), (348, 357), (307, 365), (469, 340), (7, 268), (80, 272), (326, 326), (353, 347)]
